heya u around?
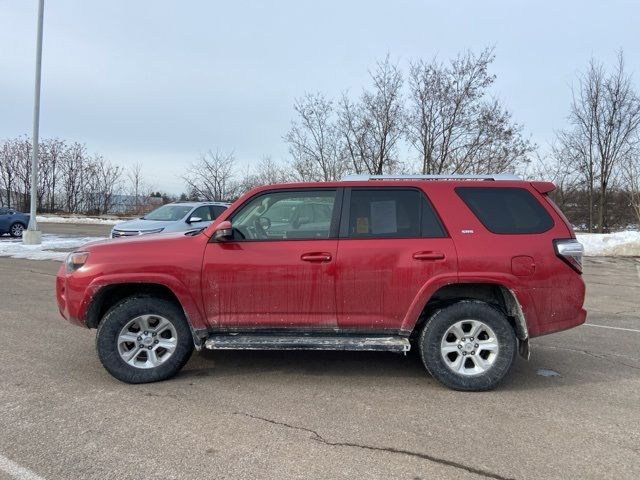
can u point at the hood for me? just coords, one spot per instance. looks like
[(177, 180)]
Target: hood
[(140, 224), (145, 240)]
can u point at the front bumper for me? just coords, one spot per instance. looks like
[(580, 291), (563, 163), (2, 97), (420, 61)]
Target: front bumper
[(64, 296)]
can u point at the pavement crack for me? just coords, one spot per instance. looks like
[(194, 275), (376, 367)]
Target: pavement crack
[(40, 273), (315, 436), (602, 356)]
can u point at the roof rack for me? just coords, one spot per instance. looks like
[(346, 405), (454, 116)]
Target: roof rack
[(452, 176)]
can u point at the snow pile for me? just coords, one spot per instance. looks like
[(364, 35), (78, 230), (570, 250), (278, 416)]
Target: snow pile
[(53, 247), (619, 244), (84, 220)]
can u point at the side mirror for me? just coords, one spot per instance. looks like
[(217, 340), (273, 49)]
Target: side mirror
[(194, 220), (223, 232)]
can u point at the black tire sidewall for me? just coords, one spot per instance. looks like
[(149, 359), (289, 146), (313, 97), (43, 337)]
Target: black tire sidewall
[(11, 229), (118, 316), (439, 323)]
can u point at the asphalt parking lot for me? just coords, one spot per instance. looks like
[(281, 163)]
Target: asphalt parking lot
[(572, 411)]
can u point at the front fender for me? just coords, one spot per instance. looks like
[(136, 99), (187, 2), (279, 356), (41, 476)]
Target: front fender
[(189, 304)]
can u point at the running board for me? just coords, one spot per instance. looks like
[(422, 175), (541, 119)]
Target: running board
[(307, 342)]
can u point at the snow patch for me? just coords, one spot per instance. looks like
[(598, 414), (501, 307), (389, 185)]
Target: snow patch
[(83, 220), (48, 250), (619, 244)]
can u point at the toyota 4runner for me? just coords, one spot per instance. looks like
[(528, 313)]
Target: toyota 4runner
[(465, 269)]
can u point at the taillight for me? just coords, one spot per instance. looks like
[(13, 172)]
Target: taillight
[(571, 251)]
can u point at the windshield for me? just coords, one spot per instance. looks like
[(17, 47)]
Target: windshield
[(168, 213)]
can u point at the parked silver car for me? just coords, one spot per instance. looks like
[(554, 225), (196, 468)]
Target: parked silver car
[(173, 217)]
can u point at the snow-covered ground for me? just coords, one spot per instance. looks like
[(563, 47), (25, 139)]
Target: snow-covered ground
[(619, 244), (85, 220), (48, 250), (624, 244)]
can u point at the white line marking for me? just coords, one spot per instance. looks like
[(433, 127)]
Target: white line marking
[(612, 328), (16, 471)]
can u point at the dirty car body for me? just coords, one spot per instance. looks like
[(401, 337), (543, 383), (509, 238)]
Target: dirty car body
[(465, 270)]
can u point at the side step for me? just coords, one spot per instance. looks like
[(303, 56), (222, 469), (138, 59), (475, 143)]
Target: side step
[(252, 341)]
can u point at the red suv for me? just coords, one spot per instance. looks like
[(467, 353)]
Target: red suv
[(466, 269)]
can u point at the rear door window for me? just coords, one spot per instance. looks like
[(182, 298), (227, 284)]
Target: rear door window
[(217, 211), (506, 210), (391, 213)]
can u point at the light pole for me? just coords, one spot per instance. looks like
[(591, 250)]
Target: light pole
[(32, 236)]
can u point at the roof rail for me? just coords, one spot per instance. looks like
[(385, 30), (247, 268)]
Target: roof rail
[(452, 176)]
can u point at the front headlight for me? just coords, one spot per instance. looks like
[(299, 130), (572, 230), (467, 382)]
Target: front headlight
[(75, 260), (147, 232)]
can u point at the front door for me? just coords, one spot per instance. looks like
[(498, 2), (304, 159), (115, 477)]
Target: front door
[(278, 271)]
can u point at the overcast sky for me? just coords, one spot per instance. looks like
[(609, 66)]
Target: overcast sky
[(161, 81)]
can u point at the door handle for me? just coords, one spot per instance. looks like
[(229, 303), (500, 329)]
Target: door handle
[(316, 257), (428, 256)]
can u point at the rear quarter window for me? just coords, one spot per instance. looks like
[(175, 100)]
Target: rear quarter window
[(506, 210)]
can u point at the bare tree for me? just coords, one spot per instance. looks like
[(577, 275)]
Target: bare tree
[(72, 175), (631, 176), (103, 184), (605, 119), (314, 140), (453, 125), (372, 127), (8, 173), (212, 177), (52, 151), (138, 188)]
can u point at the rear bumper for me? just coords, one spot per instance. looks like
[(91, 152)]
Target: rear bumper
[(564, 324)]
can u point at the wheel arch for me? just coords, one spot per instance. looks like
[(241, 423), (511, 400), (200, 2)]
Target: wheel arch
[(110, 295), (491, 292), (25, 225)]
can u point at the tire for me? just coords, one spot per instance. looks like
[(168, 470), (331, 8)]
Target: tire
[(458, 359), (156, 325), (16, 229)]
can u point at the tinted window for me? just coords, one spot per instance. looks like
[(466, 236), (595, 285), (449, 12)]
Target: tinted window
[(217, 211), (506, 210), (390, 213), (286, 216)]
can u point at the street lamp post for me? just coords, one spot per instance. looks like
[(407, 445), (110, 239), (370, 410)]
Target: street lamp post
[(32, 236)]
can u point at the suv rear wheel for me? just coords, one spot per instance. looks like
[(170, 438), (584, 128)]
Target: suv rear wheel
[(469, 345), (144, 339)]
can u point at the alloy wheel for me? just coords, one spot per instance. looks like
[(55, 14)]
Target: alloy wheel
[(469, 347), (147, 341)]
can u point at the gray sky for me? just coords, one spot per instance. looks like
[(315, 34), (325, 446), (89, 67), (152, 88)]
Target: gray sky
[(161, 81)]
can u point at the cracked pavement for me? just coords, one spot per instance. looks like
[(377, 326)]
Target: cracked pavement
[(319, 414)]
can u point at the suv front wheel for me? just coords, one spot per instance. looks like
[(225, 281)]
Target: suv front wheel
[(468, 345), (144, 339)]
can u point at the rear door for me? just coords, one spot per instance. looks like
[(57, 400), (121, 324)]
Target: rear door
[(4, 220), (391, 243)]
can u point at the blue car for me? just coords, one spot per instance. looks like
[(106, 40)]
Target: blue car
[(12, 222)]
